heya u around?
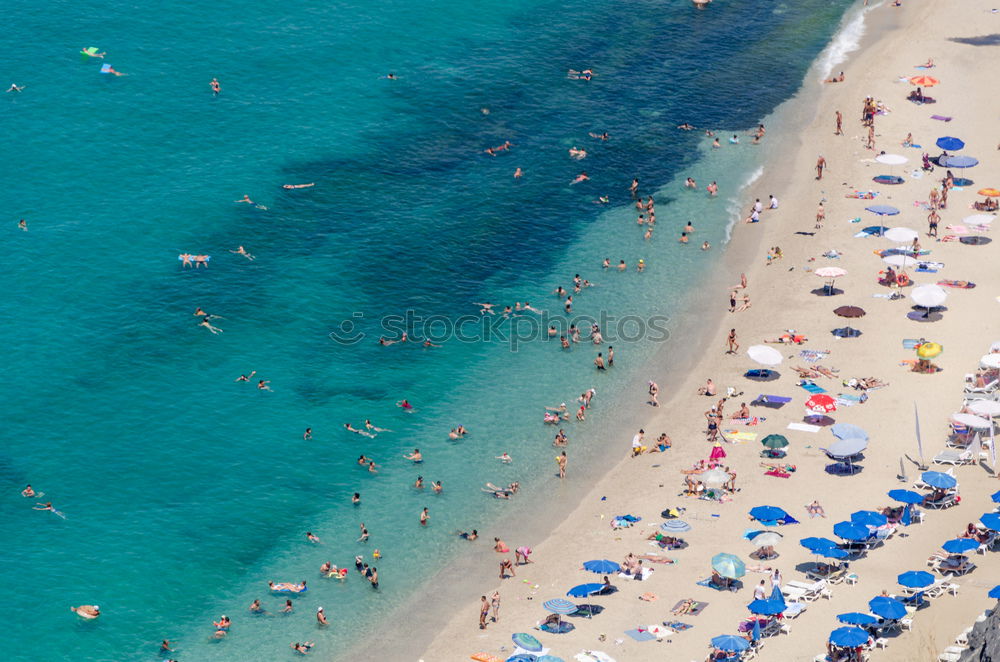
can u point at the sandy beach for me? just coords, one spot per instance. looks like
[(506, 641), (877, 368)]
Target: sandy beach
[(783, 296)]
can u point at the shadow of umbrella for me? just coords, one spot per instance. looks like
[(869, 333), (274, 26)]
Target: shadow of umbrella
[(975, 240), (826, 291), (818, 419), (762, 375)]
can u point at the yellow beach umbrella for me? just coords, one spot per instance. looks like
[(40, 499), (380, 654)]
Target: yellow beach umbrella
[(925, 81), (989, 192), (929, 350)]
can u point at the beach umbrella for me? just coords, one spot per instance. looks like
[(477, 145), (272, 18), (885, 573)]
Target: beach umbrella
[(906, 496), (915, 579), (857, 618), (549, 658), (850, 312), (882, 210), (900, 261), (848, 431), (929, 350), (995, 497), (764, 538), (602, 566), (847, 447), (832, 553), (821, 403), (851, 531), (891, 159), (522, 657), (949, 144), (869, 518), (755, 632), (675, 526), (958, 162), (485, 657), (994, 593), (714, 477), (767, 607), (830, 272), (729, 566), (584, 590), (939, 480), (928, 296), (818, 419), (990, 360), (768, 513), (972, 421), (849, 637), (960, 545), (730, 643), (813, 544), (991, 521), (774, 441), (764, 355), (559, 606), (984, 408), (979, 219), (886, 607), (901, 235), (989, 193), (526, 641), (874, 230), (924, 81)]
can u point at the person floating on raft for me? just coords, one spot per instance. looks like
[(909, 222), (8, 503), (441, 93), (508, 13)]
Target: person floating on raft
[(108, 69), (91, 51), (288, 587)]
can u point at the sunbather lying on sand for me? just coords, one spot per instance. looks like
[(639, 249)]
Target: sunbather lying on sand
[(665, 541), (656, 559), (865, 383), (789, 337), (684, 607)]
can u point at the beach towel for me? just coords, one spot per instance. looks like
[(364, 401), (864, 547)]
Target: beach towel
[(696, 608), (812, 387), (646, 572), (753, 420), (641, 634), (847, 399), (677, 626), (649, 597), (911, 343), (735, 586), (771, 401), (959, 284), (804, 427), (941, 117), (813, 355), (737, 437)]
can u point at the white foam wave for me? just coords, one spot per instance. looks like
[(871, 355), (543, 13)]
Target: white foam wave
[(734, 208), (846, 41)]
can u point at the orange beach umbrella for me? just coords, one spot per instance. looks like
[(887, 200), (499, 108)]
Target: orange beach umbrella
[(989, 192), (925, 81)]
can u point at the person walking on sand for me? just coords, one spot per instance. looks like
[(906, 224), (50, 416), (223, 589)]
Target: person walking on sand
[(840, 124), (484, 611), (654, 391), (820, 216), (495, 603), (731, 342), (561, 461), (820, 166), (932, 223)]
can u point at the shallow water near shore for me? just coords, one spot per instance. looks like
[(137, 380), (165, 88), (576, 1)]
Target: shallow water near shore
[(184, 491)]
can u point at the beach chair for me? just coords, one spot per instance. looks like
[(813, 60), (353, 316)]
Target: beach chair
[(954, 457), (963, 638), (948, 501), (951, 654), (988, 388), (915, 600), (793, 593)]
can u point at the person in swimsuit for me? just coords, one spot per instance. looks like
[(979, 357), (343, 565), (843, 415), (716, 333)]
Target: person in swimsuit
[(291, 186), (415, 456), (424, 517), (468, 535), (216, 87), (242, 251)]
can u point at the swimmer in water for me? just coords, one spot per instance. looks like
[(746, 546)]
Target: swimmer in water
[(92, 53), (15, 88), (405, 405), (246, 378), (308, 434), (428, 343), (371, 427), (437, 487), (582, 177), (601, 136), (419, 483), (705, 246), (310, 537), (351, 428), (246, 199), (302, 648), (206, 322), (216, 87), (48, 506), (23, 225), (28, 491), (87, 611), (485, 308), (685, 127), (262, 385), (291, 186), (468, 535), (602, 200), (390, 76), (242, 251), (415, 456), (504, 458), (425, 517), (518, 173)]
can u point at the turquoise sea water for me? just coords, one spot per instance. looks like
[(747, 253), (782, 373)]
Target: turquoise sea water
[(184, 491)]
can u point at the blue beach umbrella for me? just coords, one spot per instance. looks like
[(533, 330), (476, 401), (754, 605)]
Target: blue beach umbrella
[(882, 210), (832, 553), (731, 643), (886, 607), (526, 641), (958, 162), (848, 431), (869, 518), (813, 544), (847, 447), (851, 531), (755, 633), (522, 657), (768, 513), (549, 658), (991, 521), (906, 496), (583, 590), (915, 579), (602, 566), (675, 526), (938, 479), (994, 593), (857, 618), (848, 637), (729, 566), (995, 497), (560, 606), (766, 607), (949, 144), (960, 545)]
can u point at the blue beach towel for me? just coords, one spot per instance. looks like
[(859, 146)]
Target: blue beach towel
[(644, 635), (812, 388)]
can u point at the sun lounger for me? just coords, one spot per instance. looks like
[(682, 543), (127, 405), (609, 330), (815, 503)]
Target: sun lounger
[(811, 590), (954, 457), (948, 501), (771, 401), (988, 388), (951, 654)]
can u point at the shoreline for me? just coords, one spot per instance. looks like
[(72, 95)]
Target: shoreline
[(575, 534)]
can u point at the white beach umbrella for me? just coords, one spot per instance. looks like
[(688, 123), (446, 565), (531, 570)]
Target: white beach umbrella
[(891, 159), (766, 539), (830, 272), (718, 476), (928, 296), (972, 421), (979, 219), (764, 355), (901, 235), (990, 361), (900, 261), (984, 408)]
